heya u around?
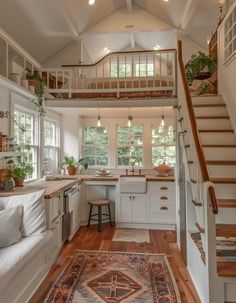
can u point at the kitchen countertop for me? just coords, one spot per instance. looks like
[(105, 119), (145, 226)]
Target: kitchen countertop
[(61, 183), (53, 188)]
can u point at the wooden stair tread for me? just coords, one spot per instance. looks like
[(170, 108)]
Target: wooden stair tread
[(197, 202), (213, 117), (226, 202), (210, 105), (221, 162), (216, 130), (226, 230), (223, 180), (219, 145), (226, 269)]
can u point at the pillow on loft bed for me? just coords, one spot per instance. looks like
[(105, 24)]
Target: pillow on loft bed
[(34, 214), (10, 224)]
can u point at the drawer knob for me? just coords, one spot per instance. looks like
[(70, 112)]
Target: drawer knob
[(163, 208), (163, 198), (164, 188)]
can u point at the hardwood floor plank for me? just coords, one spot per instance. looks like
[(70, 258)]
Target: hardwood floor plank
[(90, 239)]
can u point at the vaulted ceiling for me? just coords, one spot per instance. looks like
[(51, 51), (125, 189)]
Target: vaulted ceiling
[(46, 27)]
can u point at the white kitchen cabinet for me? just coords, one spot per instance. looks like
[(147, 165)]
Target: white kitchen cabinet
[(161, 203), (133, 208)]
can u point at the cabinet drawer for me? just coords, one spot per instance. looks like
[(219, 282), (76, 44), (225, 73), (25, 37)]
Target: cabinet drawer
[(161, 186), (162, 197), (162, 208)]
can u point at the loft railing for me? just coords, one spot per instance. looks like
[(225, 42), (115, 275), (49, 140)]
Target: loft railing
[(116, 74), (198, 172), (14, 59)]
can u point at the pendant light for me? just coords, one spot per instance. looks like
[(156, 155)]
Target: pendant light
[(162, 118), (99, 120), (130, 118)]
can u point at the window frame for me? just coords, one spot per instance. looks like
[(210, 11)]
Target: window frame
[(95, 145), (55, 147), (164, 145), (117, 145), (36, 139)]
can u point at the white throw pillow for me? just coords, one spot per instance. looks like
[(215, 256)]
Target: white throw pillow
[(34, 215), (10, 224)]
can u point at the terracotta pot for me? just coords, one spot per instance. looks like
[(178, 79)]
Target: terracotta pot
[(34, 83), (71, 170), (18, 182)]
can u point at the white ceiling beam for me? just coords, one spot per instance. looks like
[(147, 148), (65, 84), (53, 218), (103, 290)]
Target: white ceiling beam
[(188, 13), (132, 40), (70, 22), (129, 5)]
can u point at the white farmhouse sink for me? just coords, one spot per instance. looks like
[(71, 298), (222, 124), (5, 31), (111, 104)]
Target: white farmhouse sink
[(133, 184)]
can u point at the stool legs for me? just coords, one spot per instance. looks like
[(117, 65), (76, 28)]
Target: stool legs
[(99, 218), (109, 212), (90, 213)]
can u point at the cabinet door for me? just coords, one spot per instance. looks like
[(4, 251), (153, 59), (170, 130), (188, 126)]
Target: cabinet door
[(126, 203), (139, 209)]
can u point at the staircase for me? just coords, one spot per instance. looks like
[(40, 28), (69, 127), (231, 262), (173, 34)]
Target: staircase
[(209, 143), (219, 147)]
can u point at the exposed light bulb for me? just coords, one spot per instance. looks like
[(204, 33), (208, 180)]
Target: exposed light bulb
[(107, 50), (99, 121), (162, 121), (156, 47), (91, 2), (129, 121)]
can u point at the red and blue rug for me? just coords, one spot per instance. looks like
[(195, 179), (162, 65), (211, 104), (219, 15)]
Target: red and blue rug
[(111, 277)]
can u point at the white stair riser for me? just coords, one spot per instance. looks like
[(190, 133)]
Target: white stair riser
[(225, 191), (230, 290), (222, 171), (213, 124), (220, 153), (210, 111), (218, 138), (208, 100), (226, 216)]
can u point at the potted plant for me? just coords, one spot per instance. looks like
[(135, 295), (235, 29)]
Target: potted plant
[(70, 165), (39, 84), (200, 66), (20, 171), (83, 162)]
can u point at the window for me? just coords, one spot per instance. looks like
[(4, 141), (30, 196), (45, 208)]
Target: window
[(25, 135), (230, 35), (130, 145), (125, 69), (96, 145), (143, 69), (163, 146), (51, 149)]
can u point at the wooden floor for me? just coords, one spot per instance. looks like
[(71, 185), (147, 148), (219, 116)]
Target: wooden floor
[(91, 239)]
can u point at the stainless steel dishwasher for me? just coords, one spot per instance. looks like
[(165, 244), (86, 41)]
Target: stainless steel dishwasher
[(71, 212)]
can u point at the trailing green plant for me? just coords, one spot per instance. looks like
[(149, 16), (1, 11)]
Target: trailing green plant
[(204, 87), (197, 63), (83, 162), (20, 170), (39, 91)]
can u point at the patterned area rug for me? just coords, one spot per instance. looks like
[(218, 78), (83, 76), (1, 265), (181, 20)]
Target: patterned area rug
[(111, 277), (132, 235), (225, 247)]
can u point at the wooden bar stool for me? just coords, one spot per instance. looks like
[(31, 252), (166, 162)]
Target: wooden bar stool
[(99, 203)]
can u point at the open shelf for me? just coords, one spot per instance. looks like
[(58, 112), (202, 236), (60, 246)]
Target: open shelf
[(11, 154)]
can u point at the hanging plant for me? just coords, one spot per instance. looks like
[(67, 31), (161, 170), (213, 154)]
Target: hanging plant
[(39, 91), (198, 64)]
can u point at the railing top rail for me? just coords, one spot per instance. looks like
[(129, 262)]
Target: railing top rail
[(121, 53), (196, 136)]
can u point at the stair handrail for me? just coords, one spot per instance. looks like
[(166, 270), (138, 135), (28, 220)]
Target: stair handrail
[(196, 136)]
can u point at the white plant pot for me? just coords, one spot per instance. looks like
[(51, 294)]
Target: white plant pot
[(32, 88), (25, 83), (15, 77)]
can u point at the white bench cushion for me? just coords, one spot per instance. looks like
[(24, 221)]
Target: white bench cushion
[(16, 256), (34, 215)]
